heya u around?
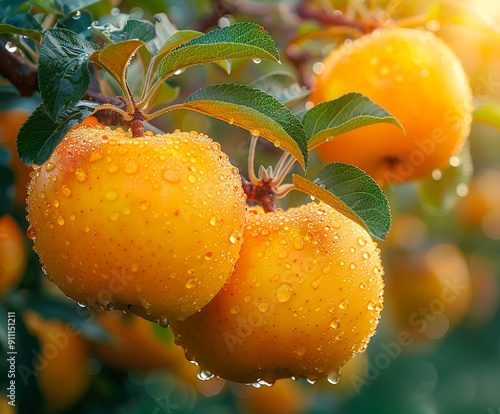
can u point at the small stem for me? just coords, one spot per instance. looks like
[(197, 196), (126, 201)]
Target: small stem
[(144, 103), (107, 106), (283, 190), (251, 159), (149, 73), (281, 162), (161, 111), (283, 172)]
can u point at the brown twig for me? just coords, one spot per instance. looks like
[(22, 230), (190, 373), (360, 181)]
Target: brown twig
[(19, 74), (263, 194)]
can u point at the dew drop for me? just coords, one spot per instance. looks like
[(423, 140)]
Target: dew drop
[(131, 168), (204, 375), (55, 203), (247, 298), (114, 216), (235, 309), (66, 190), (256, 60), (171, 176), (209, 255), (283, 254), (255, 132), (163, 322), (353, 266), (231, 121), (50, 166), (326, 270), (96, 156), (191, 178), (284, 292), (213, 221), (371, 304), (81, 175), (343, 304), (263, 307), (112, 168), (86, 228), (42, 194), (60, 220), (335, 323), (234, 237), (31, 233), (298, 243), (366, 255), (144, 205), (105, 300), (111, 194), (334, 378), (312, 381), (191, 283), (316, 282), (362, 285), (361, 241)]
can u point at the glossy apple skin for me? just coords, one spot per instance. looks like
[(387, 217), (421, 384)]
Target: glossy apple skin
[(304, 298)]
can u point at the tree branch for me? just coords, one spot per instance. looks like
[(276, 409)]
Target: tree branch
[(20, 75)]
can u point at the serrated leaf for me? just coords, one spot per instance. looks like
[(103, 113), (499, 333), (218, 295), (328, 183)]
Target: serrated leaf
[(63, 75), (252, 110), (40, 135), (284, 86), (353, 110), (114, 58), (488, 113), (440, 195), (178, 38), (353, 193), (81, 26), (32, 34), (240, 40)]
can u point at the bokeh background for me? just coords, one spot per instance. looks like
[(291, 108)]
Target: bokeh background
[(437, 348)]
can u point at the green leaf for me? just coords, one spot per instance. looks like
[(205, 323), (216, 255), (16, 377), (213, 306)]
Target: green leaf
[(47, 6), (439, 192), (167, 93), (115, 57), (284, 86), (351, 111), (71, 6), (163, 29), (63, 75), (24, 20), (40, 135), (353, 193), (240, 40), (32, 34), (134, 29), (488, 113), (178, 38), (255, 111)]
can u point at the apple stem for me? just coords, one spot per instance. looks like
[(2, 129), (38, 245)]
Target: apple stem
[(263, 193)]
